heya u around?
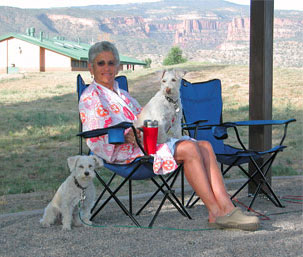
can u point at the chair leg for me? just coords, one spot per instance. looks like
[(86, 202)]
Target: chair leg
[(177, 202), (174, 176), (158, 211), (103, 192), (277, 202), (259, 184), (189, 204), (182, 186), (169, 194), (252, 179), (130, 196), (113, 195)]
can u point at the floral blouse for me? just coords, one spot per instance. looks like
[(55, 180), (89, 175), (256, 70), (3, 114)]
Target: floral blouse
[(101, 107)]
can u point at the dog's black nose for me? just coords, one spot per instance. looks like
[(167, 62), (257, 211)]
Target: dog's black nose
[(86, 173)]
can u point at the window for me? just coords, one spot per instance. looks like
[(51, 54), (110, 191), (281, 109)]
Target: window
[(75, 63), (83, 64)]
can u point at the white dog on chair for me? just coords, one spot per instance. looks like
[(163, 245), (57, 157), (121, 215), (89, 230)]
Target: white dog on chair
[(165, 107), (77, 187)]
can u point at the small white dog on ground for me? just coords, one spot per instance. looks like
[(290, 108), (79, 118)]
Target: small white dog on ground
[(165, 107), (77, 187)]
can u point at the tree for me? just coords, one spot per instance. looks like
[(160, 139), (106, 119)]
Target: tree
[(174, 56), (148, 62)]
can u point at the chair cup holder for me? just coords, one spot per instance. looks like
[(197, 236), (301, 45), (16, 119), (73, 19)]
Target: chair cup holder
[(116, 136)]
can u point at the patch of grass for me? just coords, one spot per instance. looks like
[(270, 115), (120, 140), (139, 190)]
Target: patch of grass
[(284, 171), (9, 92), (39, 119)]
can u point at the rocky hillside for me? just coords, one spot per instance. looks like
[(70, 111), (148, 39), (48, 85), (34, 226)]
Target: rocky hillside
[(209, 30)]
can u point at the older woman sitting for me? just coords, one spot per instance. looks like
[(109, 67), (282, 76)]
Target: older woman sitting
[(103, 104)]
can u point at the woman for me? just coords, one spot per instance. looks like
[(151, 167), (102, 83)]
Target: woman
[(103, 104)]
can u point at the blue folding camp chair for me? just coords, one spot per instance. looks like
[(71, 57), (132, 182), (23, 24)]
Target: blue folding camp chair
[(203, 100), (140, 169)]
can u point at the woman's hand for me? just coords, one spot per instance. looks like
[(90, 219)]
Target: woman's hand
[(130, 137)]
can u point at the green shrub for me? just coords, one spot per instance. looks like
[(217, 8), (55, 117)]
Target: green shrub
[(148, 62), (174, 57)]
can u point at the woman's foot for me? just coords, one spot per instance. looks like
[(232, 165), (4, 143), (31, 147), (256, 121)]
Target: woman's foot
[(236, 219), (213, 225)]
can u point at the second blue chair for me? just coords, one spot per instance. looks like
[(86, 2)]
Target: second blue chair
[(202, 109)]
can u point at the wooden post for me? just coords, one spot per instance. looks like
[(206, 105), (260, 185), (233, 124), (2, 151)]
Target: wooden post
[(42, 59), (260, 76), (7, 56)]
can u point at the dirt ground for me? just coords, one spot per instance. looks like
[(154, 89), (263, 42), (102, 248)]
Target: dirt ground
[(38, 200), (24, 202), (113, 233)]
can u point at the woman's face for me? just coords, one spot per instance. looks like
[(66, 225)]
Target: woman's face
[(104, 69)]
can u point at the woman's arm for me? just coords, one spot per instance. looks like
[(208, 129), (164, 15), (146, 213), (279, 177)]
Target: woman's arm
[(96, 112)]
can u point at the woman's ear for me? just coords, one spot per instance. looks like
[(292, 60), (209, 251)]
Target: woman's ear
[(90, 68), (118, 69)]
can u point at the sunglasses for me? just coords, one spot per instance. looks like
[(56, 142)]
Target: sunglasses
[(109, 63)]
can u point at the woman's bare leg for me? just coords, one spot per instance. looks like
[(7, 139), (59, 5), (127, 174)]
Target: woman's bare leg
[(200, 177), (215, 176)]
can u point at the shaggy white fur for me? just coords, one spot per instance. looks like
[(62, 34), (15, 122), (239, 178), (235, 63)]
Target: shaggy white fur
[(165, 107), (77, 187)]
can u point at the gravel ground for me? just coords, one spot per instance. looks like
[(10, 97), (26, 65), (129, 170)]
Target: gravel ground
[(113, 234)]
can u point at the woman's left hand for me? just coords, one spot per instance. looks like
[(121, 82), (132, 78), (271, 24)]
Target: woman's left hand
[(130, 137)]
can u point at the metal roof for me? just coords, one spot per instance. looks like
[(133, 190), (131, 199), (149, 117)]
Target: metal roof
[(75, 50)]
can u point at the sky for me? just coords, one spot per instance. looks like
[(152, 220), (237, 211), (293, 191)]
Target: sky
[(279, 4)]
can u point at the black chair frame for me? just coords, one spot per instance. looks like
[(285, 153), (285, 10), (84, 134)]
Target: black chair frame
[(165, 188)]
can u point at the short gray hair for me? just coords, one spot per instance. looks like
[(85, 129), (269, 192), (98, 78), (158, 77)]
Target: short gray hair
[(103, 46)]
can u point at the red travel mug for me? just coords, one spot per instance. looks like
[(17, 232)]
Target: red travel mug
[(150, 136)]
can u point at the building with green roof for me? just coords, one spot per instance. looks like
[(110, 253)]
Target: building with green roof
[(27, 52)]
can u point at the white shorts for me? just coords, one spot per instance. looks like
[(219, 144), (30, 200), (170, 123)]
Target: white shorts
[(171, 143)]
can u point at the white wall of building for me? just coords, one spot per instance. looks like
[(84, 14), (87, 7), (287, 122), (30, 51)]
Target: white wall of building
[(23, 55), (54, 61), (3, 57)]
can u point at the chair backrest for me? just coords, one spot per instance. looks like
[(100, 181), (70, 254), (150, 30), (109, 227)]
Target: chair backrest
[(81, 86), (146, 168), (203, 101), (122, 80)]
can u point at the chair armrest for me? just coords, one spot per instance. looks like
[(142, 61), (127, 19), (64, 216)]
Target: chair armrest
[(104, 131), (252, 123), (192, 125), (262, 122)]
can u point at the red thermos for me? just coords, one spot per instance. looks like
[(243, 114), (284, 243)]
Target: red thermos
[(150, 136)]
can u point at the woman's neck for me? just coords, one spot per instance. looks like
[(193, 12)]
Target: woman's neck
[(109, 86)]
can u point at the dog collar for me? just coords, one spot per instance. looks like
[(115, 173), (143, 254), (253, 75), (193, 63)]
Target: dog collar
[(78, 185), (175, 102)]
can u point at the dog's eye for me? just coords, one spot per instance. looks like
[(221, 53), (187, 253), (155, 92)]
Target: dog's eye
[(81, 166), (90, 166), (173, 80), (163, 80)]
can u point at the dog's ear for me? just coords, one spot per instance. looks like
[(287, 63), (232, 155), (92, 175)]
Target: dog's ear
[(99, 162), (163, 73), (71, 161), (180, 73)]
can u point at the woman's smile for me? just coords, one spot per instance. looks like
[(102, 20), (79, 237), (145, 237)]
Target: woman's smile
[(104, 69)]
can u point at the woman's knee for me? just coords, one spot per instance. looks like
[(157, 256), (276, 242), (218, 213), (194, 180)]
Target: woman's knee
[(205, 145), (187, 147)]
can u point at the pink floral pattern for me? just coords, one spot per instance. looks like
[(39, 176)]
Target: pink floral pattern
[(128, 114), (100, 107)]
